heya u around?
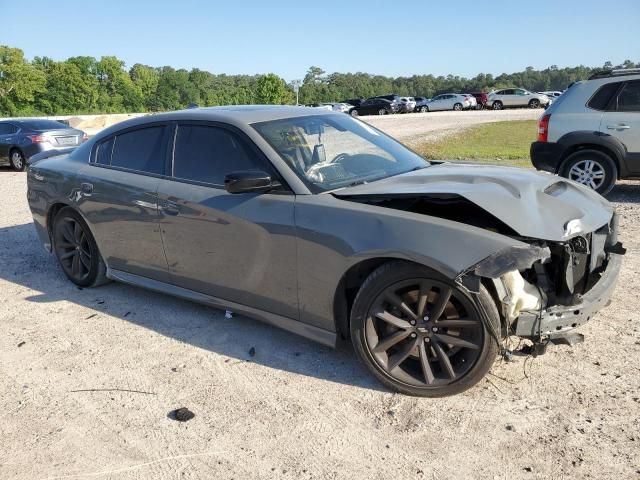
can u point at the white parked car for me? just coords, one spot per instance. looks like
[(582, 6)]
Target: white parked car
[(447, 101), (407, 104), (516, 97), (471, 103)]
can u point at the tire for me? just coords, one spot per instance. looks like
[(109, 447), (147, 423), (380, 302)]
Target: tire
[(424, 109), (534, 103), (457, 107), (479, 106), (497, 105), (76, 250), (410, 354), (591, 168), (354, 113), (382, 111), (17, 160)]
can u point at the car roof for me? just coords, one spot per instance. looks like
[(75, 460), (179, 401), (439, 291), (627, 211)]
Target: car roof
[(232, 114)]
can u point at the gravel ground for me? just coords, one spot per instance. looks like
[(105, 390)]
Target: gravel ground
[(294, 409), (412, 128)]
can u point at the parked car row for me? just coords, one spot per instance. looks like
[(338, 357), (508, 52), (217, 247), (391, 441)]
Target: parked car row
[(497, 100)]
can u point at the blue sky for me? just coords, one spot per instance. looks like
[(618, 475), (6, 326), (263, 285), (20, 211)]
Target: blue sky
[(390, 38)]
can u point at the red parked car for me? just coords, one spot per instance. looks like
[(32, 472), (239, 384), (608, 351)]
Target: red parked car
[(482, 98)]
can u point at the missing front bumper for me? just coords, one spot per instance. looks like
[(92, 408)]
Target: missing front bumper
[(559, 319)]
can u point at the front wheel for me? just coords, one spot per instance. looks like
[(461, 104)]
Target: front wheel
[(457, 107), (354, 113), (382, 111), (17, 161), (76, 249), (419, 334), (591, 168), (534, 103)]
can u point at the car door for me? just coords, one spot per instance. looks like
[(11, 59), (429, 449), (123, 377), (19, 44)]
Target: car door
[(7, 133), (118, 198), (237, 247), (436, 103), (507, 97), (622, 120), (521, 98)]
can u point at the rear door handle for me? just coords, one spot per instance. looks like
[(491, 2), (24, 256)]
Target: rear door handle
[(620, 126)]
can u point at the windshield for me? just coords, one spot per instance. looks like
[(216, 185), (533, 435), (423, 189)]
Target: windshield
[(334, 151)]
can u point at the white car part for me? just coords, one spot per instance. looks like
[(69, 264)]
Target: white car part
[(521, 295)]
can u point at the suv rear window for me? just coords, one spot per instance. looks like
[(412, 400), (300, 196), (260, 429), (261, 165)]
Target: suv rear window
[(602, 98), (629, 97)]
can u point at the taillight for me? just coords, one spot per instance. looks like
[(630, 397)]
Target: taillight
[(543, 128), (85, 137), (37, 138)]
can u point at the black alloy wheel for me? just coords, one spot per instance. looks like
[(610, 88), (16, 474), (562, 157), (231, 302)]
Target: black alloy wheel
[(422, 336)]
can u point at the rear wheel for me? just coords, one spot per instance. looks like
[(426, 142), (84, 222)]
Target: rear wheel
[(424, 109), (419, 334), (534, 103), (497, 105), (76, 249), (591, 168), (17, 161), (457, 107)]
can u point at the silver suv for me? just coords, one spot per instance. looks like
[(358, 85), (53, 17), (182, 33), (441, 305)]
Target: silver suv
[(591, 133), (516, 97)]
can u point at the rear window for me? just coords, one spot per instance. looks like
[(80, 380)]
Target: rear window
[(629, 97), (602, 98), (44, 125), (140, 150), (103, 153)]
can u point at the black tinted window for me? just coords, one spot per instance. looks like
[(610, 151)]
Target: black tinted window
[(44, 125), (6, 129), (629, 97), (140, 150), (602, 97), (103, 152), (207, 154)]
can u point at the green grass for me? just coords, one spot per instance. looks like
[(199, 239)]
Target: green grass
[(503, 143)]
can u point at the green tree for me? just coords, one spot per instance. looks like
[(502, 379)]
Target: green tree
[(273, 90), (20, 81)]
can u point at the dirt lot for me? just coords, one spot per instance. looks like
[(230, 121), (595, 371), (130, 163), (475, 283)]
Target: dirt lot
[(419, 127), (295, 409)]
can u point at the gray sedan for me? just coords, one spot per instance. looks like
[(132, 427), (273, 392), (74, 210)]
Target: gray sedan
[(322, 225), (21, 139)]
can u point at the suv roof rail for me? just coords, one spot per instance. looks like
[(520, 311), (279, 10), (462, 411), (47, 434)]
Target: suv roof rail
[(615, 73)]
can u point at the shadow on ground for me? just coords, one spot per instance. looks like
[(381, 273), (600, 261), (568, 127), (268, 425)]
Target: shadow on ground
[(23, 261)]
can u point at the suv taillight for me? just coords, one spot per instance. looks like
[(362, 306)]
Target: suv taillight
[(543, 128)]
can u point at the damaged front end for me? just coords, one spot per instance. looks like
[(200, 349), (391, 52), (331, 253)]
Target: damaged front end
[(549, 288)]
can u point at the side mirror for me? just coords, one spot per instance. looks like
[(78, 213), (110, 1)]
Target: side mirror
[(244, 181)]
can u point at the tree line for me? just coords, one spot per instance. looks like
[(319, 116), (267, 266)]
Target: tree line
[(84, 85)]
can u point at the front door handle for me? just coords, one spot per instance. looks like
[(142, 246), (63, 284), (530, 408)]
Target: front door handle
[(620, 126)]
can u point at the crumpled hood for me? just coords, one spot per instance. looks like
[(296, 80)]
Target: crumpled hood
[(534, 204)]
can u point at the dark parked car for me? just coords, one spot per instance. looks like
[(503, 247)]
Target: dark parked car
[(421, 104), (374, 106), (21, 139), (320, 224), (481, 99)]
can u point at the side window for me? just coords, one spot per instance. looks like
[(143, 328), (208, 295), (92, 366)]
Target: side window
[(4, 128), (629, 97), (207, 154), (602, 98), (103, 152), (140, 150)]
